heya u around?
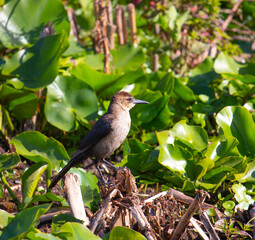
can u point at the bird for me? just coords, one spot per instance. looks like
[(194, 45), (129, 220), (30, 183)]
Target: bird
[(107, 134)]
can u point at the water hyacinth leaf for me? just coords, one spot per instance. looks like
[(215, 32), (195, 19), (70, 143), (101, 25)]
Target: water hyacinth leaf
[(41, 236), (22, 21), (203, 167), (174, 157), (222, 148), (30, 180), (217, 175), (125, 233), (21, 103), (165, 137), (183, 91), (69, 99), (37, 66), (7, 161), (127, 58), (236, 121), (5, 218), (23, 221), (37, 147), (194, 135), (249, 174), (47, 197), (75, 231), (226, 64)]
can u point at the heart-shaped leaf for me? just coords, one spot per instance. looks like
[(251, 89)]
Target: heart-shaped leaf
[(236, 121), (8, 161), (22, 21), (37, 66), (125, 233), (39, 148), (69, 99)]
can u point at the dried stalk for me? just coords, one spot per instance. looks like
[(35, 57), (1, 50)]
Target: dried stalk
[(198, 228), (132, 23), (200, 197), (204, 218), (118, 19), (74, 197)]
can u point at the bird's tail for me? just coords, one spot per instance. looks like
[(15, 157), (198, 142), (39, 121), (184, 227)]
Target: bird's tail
[(75, 160)]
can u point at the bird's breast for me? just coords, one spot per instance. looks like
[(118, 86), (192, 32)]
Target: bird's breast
[(120, 129)]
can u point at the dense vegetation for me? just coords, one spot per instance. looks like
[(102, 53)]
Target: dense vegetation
[(194, 66)]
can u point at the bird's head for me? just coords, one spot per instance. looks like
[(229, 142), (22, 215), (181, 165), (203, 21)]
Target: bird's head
[(125, 100)]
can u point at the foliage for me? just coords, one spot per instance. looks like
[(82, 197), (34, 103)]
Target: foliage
[(197, 131)]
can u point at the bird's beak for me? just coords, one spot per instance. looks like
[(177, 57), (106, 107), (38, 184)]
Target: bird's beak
[(137, 101)]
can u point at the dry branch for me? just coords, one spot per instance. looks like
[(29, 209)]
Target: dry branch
[(194, 206), (132, 23), (74, 197), (198, 228), (118, 19), (204, 218)]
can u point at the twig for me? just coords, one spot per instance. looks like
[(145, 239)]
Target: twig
[(198, 228), (124, 25), (118, 20), (204, 218), (74, 25), (143, 222), (49, 216), (230, 16), (200, 197), (132, 23), (74, 197), (151, 199), (155, 59), (179, 196), (100, 213)]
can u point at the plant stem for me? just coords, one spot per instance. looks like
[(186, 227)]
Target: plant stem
[(13, 196)]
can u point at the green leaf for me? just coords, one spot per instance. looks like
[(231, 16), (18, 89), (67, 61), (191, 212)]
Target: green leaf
[(72, 230), (203, 167), (47, 197), (8, 161), (228, 205), (21, 103), (22, 21), (249, 174), (41, 236), (183, 91), (174, 157), (194, 135), (236, 121), (217, 175), (127, 57), (37, 147), (37, 66), (23, 221), (69, 99), (30, 180), (222, 148), (124, 233), (226, 64), (5, 218)]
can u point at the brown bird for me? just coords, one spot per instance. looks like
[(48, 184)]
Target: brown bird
[(106, 135)]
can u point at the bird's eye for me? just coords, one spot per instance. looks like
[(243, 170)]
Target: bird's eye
[(129, 99)]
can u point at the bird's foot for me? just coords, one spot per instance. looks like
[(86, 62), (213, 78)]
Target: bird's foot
[(111, 165)]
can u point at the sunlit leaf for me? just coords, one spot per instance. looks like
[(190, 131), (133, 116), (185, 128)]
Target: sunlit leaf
[(174, 157), (23, 221), (38, 148), (69, 99), (8, 161), (5, 218), (125, 233), (22, 21), (236, 121), (37, 66), (30, 180)]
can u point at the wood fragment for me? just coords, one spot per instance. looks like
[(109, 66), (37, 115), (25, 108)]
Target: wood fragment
[(143, 222), (155, 59), (109, 12), (132, 23), (73, 22), (49, 216), (198, 228), (206, 221), (151, 199), (118, 20), (110, 35), (194, 206), (74, 197), (103, 208), (230, 16), (124, 25), (179, 196)]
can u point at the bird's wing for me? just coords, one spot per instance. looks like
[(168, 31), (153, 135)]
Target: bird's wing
[(100, 130)]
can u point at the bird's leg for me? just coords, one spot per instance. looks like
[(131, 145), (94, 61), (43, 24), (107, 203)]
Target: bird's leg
[(110, 164)]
